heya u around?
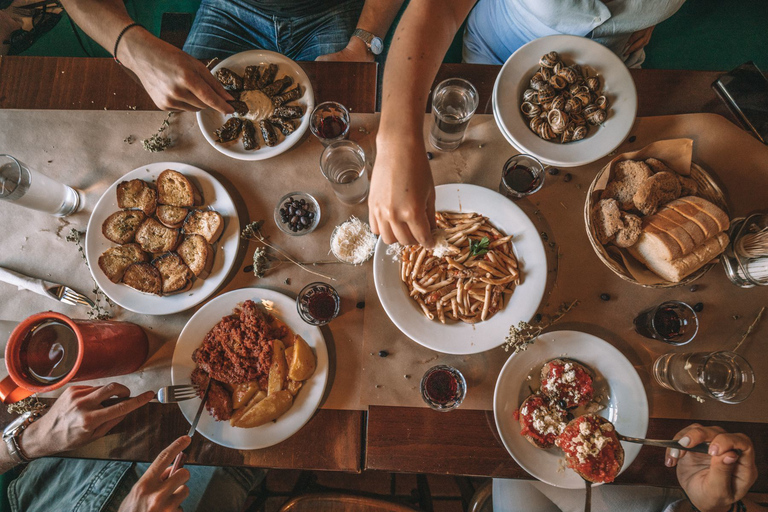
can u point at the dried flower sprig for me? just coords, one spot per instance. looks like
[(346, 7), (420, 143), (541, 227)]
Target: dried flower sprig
[(750, 329), (97, 312), (159, 142), (525, 334), (261, 258)]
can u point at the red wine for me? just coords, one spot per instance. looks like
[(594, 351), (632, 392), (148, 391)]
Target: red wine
[(667, 322), (322, 306), (442, 387), (49, 352), (520, 179), (331, 127)]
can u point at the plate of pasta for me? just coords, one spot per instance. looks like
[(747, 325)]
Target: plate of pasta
[(487, 272)]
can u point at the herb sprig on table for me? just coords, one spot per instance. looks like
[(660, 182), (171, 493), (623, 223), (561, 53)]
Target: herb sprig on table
[(97, 312), (525, 334), (159, 142)]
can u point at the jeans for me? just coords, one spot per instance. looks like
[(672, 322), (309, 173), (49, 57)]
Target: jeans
[(225, 27), (84, 485)]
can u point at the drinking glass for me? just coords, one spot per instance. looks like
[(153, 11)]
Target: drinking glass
[(521, 176), (318, 303), (443, 388), (724, 376), (329, 122), (454, 102), (343, 165), (26, 187), (672, 322)]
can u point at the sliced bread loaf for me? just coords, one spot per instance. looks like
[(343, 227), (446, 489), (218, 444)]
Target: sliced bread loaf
[(174, 273), (207, 223), (676, 269), (121, 227), (174, 189), (115, 260), (143, 277), (197, 254), (156, 238), (137, 194)]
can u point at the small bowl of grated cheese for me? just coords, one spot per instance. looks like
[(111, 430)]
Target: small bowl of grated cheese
[(353, 242)]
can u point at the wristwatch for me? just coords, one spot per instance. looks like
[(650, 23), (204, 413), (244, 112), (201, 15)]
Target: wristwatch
[(374, 44), (12, 432)]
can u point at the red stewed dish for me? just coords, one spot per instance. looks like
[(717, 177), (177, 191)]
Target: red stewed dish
[(567, 382)]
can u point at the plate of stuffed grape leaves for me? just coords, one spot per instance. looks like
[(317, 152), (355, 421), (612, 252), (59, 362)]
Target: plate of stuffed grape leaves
[(273, 99)]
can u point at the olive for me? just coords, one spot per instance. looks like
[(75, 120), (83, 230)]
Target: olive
[(562, 403), (304, 221), (554, 171), (699, 307), (294, 219), (303, 202), (287, 205), (383, 353), (310, 215), (567, 177), (605, 296), (694, 288), (300, 212)]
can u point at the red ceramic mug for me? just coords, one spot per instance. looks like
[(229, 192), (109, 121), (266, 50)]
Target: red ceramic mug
[(86, 349)]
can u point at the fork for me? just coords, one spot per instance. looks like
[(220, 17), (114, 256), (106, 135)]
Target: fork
[(699, 448), (179, 393), (69, 296)]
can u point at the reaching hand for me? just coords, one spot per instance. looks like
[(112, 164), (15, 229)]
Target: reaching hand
[(173, 79), (157, 490), (714, 482), (355, 51), (402, 197), (77, 418), (638, 40)]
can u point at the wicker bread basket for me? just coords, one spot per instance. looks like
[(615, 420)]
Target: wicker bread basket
[(708, 189)]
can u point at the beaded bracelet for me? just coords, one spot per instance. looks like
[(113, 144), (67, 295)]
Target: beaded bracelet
[(120, 37)]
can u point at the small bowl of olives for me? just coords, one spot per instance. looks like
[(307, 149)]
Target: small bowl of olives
[(297, 213)]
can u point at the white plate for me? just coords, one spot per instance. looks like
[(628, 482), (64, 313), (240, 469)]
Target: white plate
[(209, 120), (215, 197), (618, 86), (626, 402), (307, 400), (458, 337)]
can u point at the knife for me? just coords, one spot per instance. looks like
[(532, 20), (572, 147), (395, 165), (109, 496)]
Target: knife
[(181, 458), (48, 289)]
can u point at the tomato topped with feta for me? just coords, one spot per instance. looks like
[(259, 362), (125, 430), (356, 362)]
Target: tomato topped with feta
[(592, 448), (567, 382), (541, 420)]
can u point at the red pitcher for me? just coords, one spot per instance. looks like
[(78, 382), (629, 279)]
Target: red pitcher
[(49, 349)]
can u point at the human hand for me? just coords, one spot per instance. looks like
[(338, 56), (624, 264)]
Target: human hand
[(714, 482), (355, 51), (401, 203), (638, 40), (157, 490), (77, 418), (173, 79)]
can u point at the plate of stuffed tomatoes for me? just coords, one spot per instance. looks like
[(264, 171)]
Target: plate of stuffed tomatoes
[(560, 404)]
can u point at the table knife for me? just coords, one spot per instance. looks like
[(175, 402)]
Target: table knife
[(181, 458)]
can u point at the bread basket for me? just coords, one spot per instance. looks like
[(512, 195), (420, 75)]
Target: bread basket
[(708, 189)]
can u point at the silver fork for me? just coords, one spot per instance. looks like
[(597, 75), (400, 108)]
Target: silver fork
[(69, 296), (173, 394)]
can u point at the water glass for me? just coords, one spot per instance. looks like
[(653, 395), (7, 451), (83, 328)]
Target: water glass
[(672, 322), (443, 388), (329, 122), (724, 376), (521, 176), (454, 102), (26, 187), (343, 165)]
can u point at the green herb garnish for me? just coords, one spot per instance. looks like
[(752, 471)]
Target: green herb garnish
[(479, 247)]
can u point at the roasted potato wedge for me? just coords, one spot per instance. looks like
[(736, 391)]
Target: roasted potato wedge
[(255, 399), (279, 368), (268, 409), (293, 386), (243, 393), (302, 364)]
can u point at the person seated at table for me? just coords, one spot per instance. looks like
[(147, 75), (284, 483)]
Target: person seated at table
[(77, 418), (299, 29), (401, 200), (716, 483)]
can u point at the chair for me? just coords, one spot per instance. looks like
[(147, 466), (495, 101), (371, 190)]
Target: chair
[(337, 502), (482, 500)]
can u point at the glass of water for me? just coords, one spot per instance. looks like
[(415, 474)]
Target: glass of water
[(724, 376), (26, 187), (454, 102), (343, 165)]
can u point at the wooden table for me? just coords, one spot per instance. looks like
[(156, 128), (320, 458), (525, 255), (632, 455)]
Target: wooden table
[(336, 437), (466, 442)]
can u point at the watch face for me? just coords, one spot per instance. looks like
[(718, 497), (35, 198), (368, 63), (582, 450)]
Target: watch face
[(377, 45)]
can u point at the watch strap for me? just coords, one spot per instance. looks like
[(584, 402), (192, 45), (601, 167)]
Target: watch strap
[(14, 450), (368, 38)]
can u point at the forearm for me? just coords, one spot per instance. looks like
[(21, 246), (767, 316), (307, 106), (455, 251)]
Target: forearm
[(423, 36), (377, 16), (102, 20)]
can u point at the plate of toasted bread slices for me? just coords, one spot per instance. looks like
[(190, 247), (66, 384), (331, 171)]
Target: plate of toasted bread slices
[(564, 376), (162, 238)]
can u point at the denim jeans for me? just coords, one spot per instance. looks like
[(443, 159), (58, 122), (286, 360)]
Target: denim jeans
[(225, 27), (84, 485)]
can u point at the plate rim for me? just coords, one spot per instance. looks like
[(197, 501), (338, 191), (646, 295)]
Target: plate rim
[(321, 351), (380, 254), (228, 238), (583, 42), (642, 406), (300, 131)]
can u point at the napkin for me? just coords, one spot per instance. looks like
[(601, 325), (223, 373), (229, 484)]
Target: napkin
[(26, 283)]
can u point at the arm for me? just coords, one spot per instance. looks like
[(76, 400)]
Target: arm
[(376, 17), (75, 419), (173, 79), (402, 198)]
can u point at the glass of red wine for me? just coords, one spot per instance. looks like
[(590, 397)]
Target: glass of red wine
[(521, 176), (330, 122), (318, 303), (443, 388), (672, 322)]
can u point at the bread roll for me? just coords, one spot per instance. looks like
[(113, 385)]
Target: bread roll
[(676, 269)]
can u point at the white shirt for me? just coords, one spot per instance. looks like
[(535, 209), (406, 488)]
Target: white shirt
[(496, 28)]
